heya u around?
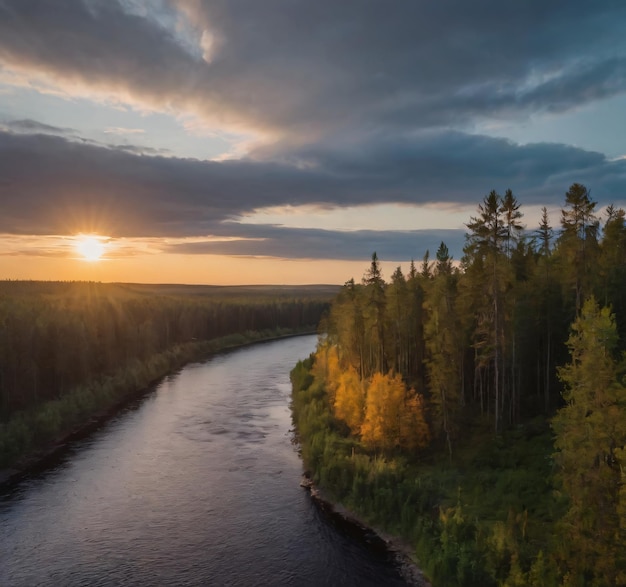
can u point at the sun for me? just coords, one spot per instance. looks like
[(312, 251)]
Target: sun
[(90, 246)]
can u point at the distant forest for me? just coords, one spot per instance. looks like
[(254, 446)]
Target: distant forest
[(69, 349), (479, 408)]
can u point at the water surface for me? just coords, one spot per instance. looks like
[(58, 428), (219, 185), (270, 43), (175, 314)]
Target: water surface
[(196, 484)]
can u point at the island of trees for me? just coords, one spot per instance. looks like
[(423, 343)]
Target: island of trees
[(478, 409), (72, 351)]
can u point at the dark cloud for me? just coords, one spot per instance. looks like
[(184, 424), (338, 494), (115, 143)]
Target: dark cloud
[(34, 127), (28, 126), (94, 42), (137, 149), (53, 185), (366, 102), (415, 64), (298, 243), (304, 68), (449, 166)]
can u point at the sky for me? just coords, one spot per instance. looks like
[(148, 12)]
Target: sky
[(285, 141)]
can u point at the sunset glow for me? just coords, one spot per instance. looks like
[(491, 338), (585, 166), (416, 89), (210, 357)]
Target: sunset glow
[(203, 147), (90, 247)]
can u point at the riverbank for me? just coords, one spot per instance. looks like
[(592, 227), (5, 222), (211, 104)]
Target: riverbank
[(206, 460), (400, 551), (485, 518), (31, 448)]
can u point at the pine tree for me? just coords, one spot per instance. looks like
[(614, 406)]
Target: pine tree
[(484, 249), (398, 312), (510, 209), (550, 322), (578, 243), (375, 316), (346, 326), (444, 352), (590, 431), (415, 317), (545, 234), (425, 269), (612, 265)]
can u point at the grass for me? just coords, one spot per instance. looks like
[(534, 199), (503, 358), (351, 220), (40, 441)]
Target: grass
[(486, 517)]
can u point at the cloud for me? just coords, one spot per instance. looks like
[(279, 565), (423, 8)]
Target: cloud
[(136, 149), (50, 246), (33, 127), (301, 243), (52, 253), (335, 104), (300, 70), (53, 185), (118, 130)]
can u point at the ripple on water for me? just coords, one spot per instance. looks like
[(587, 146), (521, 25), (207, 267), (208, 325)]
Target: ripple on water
[(197, 485)]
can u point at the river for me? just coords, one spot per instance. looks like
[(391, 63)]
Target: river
[(197, 483)]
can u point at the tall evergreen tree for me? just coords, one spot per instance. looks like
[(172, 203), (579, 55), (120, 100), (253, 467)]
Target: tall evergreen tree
[(375, 315), (346, 326), (589, 431), (510, 209), (578, 243), (545, 234), (398, 311), (425, 269), (612, 265), (444, 260), (416, 287), (444, 351), (546, 309), (484, 247)]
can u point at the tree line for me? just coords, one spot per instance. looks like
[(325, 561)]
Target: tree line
[(71, 349), (527, 325), (54, 337)]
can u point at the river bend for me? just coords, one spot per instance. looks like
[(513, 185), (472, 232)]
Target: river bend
[(197, 483)]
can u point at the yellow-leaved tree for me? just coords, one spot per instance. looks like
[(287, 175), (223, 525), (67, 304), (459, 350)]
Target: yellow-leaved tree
[(350, 399), (326, 368), (394, 415)]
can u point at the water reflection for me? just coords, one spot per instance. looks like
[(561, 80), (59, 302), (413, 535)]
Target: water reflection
[(195, 485)]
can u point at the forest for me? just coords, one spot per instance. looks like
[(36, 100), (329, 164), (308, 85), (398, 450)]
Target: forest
[(477, 408), (69, 350)]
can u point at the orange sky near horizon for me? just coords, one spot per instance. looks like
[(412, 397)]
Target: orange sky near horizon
[(187, 269), (72, 258)]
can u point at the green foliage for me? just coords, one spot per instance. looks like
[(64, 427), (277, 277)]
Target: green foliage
[(71, 350), (483, 519), (56, 336), (444, 350), (480, 343), (590, 435), (578, 246)]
